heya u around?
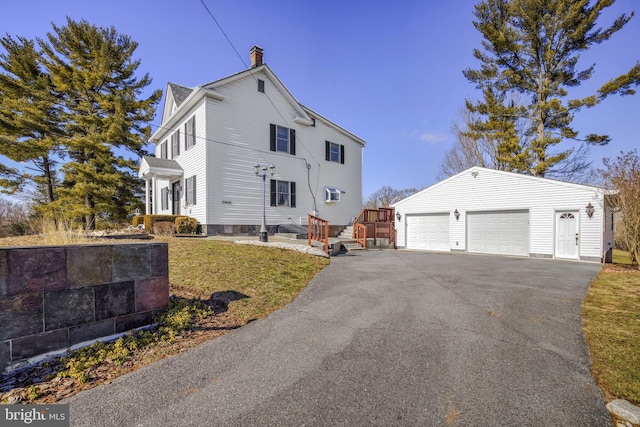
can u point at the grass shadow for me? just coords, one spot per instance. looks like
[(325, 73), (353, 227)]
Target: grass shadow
[(219, 301)]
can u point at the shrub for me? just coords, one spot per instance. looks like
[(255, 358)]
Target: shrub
[(186, 225), (137, 220), (149, 220), (164, 228)]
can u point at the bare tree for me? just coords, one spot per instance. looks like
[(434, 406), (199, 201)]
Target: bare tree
[(386, 196), (472, 148), (623, 175), (14, 218)]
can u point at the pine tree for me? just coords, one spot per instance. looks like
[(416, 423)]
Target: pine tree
[(497, 122), (105, 119), (533, 47), (29, 117)]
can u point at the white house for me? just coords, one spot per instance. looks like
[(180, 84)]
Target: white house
[(211, 138), (495, 212)]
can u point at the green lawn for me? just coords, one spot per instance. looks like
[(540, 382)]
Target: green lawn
[(611, 321), (621, 257), (270, 277)]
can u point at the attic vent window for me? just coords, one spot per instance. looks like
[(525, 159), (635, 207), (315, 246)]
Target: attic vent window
[(260, 85)]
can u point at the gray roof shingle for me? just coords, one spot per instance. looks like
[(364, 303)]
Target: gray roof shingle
[(156, 162), (180, 93)]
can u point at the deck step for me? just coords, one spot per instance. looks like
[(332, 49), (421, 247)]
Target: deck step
[(353, 246)]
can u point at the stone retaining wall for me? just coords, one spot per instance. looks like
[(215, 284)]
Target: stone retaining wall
[(52, 297)]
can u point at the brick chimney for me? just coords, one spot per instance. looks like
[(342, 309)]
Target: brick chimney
[(256, 56)]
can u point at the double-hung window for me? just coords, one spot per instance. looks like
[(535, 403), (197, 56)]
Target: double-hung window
[(163, 150), (175, 144), (283, 193), (333, 152), (190, 190), (282, 139), (190, 133), (164, 198)]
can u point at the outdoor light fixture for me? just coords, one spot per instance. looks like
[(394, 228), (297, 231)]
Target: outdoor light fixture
[(398, 215), (456, 214), (590, 210), (261, 171), (137, 211)]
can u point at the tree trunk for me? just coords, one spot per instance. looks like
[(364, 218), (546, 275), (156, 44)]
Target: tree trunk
[(49, 179), (90, 218)]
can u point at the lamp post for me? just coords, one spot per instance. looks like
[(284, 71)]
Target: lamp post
[(261, 171)]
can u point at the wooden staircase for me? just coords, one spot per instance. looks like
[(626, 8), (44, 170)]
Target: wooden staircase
[(375, 227)]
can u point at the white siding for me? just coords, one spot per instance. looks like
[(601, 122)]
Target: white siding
[(493, 190), (238, 138), (233, 134), (192, 163)]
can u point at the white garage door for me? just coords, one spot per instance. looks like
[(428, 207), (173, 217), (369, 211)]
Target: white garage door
[(428, 231), (503, 232)]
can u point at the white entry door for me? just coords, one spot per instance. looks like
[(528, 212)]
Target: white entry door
[(567, 237)]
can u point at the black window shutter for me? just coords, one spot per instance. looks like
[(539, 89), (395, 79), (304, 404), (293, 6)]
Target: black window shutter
[(292, 142), (272, 145), (193, 186), (274, 185), (193, 130), (186, 135), (327, 151), (292, 188), (342, 154)]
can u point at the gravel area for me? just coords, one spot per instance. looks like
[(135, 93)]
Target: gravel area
[(290, 246)]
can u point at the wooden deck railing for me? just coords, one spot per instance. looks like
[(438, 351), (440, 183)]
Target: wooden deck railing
[(318, 230), (376, 215), (375, 224), (360, 234)]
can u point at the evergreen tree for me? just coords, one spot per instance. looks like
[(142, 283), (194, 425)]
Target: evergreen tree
[(497, 122), (29, 117), (533, 47), (93, 70)]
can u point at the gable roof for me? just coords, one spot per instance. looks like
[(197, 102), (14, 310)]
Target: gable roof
[(188, 97), (160, 167), (180, 93), (507, 175)]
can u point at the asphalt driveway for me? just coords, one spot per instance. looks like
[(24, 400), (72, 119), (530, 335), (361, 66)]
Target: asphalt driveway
[(384, 338)]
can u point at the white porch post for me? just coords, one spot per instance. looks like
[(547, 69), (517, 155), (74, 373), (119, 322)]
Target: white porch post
[(147, 207), (154, 194)]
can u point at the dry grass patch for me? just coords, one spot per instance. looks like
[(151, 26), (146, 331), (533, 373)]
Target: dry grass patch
[(611, 321)]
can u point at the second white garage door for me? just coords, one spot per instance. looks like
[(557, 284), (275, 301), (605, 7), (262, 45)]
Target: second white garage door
[(428, 231), (503, 232)]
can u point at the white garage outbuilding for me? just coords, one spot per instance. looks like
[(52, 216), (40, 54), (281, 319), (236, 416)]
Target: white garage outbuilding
[(495, 212)]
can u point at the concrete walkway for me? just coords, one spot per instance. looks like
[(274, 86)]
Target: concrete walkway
[(384, 338)]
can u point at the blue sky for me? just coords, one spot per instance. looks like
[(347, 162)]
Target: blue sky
[(390, 72)]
